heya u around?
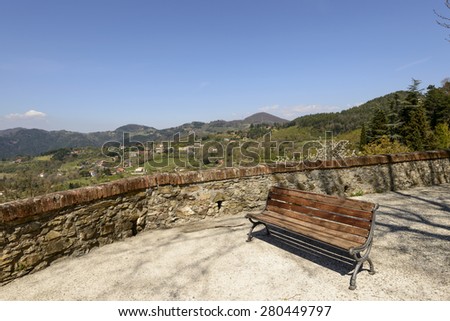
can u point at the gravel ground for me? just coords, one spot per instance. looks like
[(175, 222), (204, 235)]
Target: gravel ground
[(210, 260)]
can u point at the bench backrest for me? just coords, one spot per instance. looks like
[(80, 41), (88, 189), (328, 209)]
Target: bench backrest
[(345, 223)]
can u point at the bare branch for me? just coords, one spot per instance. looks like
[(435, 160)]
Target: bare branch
[(443, 22), (441, 17)]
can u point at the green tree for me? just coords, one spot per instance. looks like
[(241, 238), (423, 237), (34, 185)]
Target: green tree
[(363, 137), (393, 121), (258, 130), (414, 126), (417, 133), (414, 92), (437, 104), (61, 154), (442, 133), (378, 126)]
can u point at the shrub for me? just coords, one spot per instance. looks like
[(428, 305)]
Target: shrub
[(384, 145)]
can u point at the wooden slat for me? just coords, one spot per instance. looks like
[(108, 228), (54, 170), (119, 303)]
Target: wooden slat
[(329, 239), (323, 206), (364, 224), (329, 199), (325, 223), (314, 227), (340, 222)]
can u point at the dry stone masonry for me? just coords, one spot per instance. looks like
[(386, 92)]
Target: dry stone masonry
[(35, 232)]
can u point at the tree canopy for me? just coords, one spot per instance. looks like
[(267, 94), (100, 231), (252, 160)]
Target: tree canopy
[(418, 121)]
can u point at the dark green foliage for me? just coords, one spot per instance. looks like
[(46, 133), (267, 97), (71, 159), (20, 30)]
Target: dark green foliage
[(437, 104), (414, 126), (412, 118), (378, 126), (393, 120), (74, 185), (414, 92), (61, 154), (363, 137), (416, 132), (258, 130)]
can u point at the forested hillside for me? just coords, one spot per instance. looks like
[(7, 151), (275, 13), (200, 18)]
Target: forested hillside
[(349, 119), (419, 121)]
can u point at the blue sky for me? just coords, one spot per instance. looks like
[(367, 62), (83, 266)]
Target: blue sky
[(96, 65)]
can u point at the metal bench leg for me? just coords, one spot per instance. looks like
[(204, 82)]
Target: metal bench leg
[(360, 259), (250, 236), (372, 269), (354, 275)]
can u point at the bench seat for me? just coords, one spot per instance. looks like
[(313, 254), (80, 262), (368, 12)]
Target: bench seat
[(340, 222)]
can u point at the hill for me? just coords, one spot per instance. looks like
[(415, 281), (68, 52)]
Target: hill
[(264, 118), (349, 119), (21, 141), (134, 128), (31, 142)]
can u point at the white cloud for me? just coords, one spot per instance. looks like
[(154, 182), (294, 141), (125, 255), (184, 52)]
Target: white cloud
[(34, 114), (31, 114)]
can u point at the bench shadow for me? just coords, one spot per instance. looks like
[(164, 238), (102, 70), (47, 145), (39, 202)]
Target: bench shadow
[(442, 206), (317, 252)]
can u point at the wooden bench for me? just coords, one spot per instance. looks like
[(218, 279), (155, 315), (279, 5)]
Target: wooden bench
[(342, 223)]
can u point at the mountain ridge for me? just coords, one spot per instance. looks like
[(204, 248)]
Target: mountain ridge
[(264, 118), (21, 141)]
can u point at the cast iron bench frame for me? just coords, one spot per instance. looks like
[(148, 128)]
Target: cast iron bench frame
[(343, 223)]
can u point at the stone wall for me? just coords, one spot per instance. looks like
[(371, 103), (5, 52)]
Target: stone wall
[(35, 232)]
